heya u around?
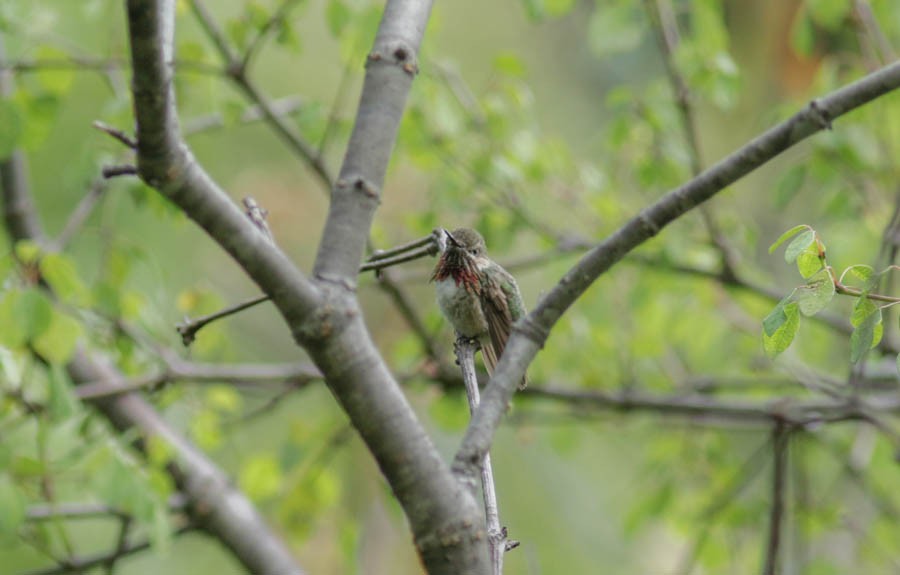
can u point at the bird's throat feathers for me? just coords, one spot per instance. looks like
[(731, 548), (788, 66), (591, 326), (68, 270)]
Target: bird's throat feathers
[(460, 268)]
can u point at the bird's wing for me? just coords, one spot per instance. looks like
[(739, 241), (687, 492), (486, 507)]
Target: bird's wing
[(502, 306)]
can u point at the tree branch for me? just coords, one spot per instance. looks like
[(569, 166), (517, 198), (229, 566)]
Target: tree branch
[(323, 316), (465, 355), (124, 549), (390, 69), (780, 439), (530, 333)]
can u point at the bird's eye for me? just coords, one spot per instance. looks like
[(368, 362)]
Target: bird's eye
[(474, 252)]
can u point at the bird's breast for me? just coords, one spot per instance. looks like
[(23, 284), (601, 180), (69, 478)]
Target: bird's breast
[(461, 307)]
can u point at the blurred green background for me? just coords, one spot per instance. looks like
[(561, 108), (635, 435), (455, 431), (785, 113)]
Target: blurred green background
[(535, 122)]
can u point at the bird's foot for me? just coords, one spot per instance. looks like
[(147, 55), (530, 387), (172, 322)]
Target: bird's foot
[(462, 340)]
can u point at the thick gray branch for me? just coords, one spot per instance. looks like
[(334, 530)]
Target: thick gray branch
[(324, 317), (391, 67), (531, 332)]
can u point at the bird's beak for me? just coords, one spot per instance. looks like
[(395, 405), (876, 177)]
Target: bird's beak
[(453, 241)]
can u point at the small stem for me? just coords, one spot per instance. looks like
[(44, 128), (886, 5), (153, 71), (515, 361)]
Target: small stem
[(79, 215), (780, 439), (117, 134), (403, 258), (427, 240), (465, 354), (189, 327), (116, 171)]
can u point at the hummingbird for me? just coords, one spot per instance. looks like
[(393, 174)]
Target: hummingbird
[(479, 298)]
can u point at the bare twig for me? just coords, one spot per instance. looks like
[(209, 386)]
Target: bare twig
[(282, 107), (383, 263), (82, 564), (736, 484), (90, 63), (89, 510), (79, 215), (465, 355), (427, 246), (117, 134), (780, 441), (176, 369), (665, 27), (237, 72), (109, 172), (277, 19), (189, 327)]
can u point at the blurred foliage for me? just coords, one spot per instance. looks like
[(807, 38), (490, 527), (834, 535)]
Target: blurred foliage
[(545, 124)]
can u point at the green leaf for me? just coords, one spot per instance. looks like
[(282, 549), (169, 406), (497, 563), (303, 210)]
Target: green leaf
[(816, 294), (868, 330), (206, 428), (33, 312), (59, 271), (62, 402), (558, 7), (803, 35), (55, 80), (781, 339), (776, 317), (12, 505), (261, 476), (830, 14), (809, 263), (27, 251), (510, 64), (24, 466), (799, 245), (57, 342), (42, 112), (13, 334), (337, 16), (615, 29), (534, 9), (224, 399), (788, 235), (11, 120), (861, 271)]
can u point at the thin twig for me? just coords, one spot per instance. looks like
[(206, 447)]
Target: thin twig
[(282, 107), (121, 544), (780, 441), (665, 27), (465, 355), (92, 64), (426, 246), (736, 484), (116, 171), (189, 327), (79, 215), (82, 564), (278, 18), (117, 134), (392, 261), (238, 75)]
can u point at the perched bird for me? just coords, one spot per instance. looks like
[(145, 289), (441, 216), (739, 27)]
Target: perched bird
[(480, 298)]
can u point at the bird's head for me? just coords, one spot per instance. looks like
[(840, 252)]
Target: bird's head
[(466, 241)]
